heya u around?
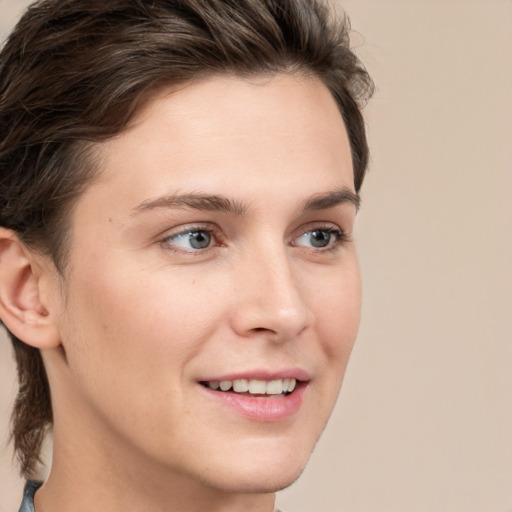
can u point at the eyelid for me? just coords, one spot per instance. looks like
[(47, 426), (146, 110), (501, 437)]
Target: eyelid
[(341, 236), (183, 230)]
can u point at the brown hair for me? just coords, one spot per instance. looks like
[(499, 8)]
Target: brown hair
[(74, 72)]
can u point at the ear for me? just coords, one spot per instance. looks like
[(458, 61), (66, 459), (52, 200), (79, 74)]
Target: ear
[(22, 307)]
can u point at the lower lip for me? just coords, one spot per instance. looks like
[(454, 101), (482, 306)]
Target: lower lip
[(259, 408)]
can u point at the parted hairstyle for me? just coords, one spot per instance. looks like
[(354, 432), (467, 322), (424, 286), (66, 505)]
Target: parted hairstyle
[(74, 72)]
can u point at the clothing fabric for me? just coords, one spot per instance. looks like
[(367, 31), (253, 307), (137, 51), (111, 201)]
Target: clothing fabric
[(27, 505)]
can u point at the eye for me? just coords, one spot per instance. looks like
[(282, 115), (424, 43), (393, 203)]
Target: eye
[(320, 238), (192, 239)]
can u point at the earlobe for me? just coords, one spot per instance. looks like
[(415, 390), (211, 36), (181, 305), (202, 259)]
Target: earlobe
[(21, 307)]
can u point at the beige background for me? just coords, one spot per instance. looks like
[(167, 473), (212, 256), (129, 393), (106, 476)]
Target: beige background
[(424, 422)]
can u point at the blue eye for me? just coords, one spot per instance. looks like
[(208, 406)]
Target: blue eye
[(194, 239), (319, 238)]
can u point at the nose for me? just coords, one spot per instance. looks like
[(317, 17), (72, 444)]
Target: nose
[(269, 299)]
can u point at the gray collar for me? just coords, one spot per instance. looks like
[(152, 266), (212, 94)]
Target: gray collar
[(27, 505)]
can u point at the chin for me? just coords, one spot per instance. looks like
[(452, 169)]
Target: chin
[(258, 476), (264, 483)]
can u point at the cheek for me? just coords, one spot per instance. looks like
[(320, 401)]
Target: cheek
[(128, 338), (140, 318), (338, 313)]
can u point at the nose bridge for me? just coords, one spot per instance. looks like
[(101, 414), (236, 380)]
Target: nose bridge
[(269, 296)]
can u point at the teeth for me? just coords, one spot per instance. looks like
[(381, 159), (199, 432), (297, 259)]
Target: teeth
[(241, 386), (274, 387), (225, 385), (255, 386)]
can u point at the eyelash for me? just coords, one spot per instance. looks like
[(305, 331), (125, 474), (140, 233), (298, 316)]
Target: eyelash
[(207, 228), (340, 238)]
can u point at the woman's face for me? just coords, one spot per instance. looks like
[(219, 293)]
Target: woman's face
[(215, 252)]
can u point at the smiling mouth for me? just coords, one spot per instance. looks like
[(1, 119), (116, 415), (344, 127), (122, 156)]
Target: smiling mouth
[(253, 387)]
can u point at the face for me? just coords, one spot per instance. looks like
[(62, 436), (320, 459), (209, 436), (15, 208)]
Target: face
[(212, 295)]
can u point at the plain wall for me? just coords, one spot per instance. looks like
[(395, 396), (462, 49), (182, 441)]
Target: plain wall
[(424, 420)]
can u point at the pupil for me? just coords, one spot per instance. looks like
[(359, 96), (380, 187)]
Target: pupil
[(320, 238), (199, 239)]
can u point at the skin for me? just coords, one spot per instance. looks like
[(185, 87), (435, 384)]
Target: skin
[(140, 316)]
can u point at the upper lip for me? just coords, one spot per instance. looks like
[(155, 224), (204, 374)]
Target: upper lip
[(262, 374)]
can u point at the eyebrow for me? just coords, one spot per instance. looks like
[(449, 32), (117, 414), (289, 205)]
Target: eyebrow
[(204, 202), (331, 199), (218, 203)]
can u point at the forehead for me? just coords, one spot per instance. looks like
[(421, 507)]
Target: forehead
[(236, 133)]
